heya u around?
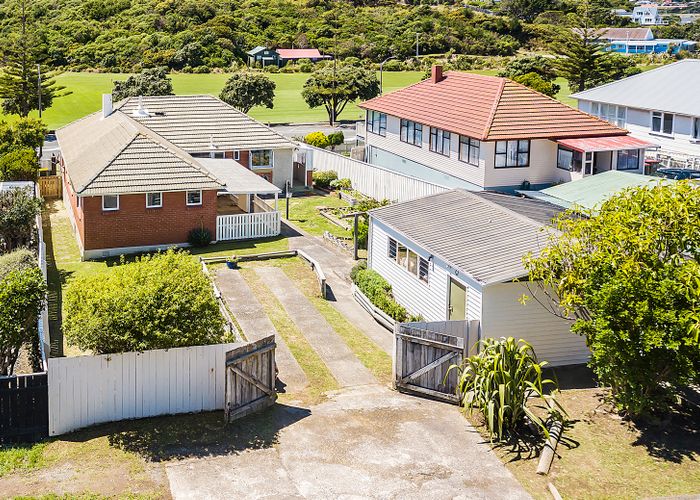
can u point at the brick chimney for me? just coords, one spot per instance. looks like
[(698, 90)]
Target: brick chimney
[(436, 75)]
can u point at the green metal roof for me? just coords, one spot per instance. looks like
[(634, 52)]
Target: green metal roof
[(591, 191)]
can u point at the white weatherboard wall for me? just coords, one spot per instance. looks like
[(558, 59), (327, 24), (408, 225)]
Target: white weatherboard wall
[(371, 180), (89, 390), (429, 300)]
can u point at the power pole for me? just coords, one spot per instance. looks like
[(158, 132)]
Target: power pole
[(38, 86), (417, 51)]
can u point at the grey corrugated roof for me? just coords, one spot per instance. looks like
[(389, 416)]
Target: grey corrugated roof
[(672, 88), (237, 178), (255, 50), (194, 122), (537, 210), (470, 232)]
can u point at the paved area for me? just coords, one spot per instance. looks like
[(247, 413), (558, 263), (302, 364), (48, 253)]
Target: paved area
[(301, 129), (255, 324), (365, 442), (340, 360)]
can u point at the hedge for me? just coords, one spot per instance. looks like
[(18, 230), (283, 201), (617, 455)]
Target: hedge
[(378, 291), (323, 178)]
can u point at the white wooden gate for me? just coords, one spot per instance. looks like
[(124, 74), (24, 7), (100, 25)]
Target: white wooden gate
[(247, 226)]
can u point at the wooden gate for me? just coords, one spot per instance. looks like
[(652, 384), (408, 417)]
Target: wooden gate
[(50, 186), (250, 378), (24, 408), (424, 353)]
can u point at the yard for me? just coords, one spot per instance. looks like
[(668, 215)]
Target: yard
[(87, 89)]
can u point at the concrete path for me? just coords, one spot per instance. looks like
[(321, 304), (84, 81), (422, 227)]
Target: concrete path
[(337, 265), (365, 442), (345, 367), (255, 324)]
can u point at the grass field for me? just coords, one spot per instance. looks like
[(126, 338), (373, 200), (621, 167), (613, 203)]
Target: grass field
[(86, 90)]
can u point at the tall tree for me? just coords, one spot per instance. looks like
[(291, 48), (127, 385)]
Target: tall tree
[(21, 87), (246, 89), (335, 88), (151, 81), (581, 58)]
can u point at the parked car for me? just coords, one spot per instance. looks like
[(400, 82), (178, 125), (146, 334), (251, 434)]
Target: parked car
[(678, 173)]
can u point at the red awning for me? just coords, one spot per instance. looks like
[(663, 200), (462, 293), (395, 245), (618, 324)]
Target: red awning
[(606, 143)]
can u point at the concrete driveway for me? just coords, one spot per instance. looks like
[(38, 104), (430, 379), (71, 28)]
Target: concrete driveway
[(364, 442)]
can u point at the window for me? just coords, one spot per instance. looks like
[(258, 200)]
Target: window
[(628, 159), (440, 141), (236, 155), (469, 150), (411, 132), (376, 122), (409, 260), (217, 154), (617, 115), (154, 200), (696, 128), (194, 198), (261, 158), (569, 160), (110, 202), (662, 123), (510, 154), (200, 155)]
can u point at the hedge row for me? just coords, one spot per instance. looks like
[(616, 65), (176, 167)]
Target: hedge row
[(378, 291)]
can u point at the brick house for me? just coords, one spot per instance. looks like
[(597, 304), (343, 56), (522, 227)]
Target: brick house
[(141, 175)]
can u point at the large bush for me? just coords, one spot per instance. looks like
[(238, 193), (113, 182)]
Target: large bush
[(323, 178), (18, 210), (157, 302), (19, 165), (501, 381), (318, 139), (22, 296), (628, 277), (378, 291)]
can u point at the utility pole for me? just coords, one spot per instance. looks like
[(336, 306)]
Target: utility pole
[(417, 51), (38, 86)]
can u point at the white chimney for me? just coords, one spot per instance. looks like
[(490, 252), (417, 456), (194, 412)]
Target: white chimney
[(141, 111), (106, 105)]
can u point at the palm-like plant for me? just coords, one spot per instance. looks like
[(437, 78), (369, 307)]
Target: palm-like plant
[(500, 381)]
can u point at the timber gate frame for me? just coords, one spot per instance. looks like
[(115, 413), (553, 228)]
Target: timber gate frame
[(424, 352), (250, 378)]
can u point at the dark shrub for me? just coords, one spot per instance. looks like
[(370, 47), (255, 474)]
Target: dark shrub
[(199, 237), (323, 178)]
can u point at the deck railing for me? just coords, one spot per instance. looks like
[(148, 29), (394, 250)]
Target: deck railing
[(247, 226)]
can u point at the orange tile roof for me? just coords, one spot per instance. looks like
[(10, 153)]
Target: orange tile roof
[(489, 108)]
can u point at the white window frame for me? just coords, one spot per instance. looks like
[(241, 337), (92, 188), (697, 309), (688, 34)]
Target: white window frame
[(397, 248), (237, 155), (187, 198), (611, 113), (113, 209), (261, 167), (160, 198), (695, 137), (662, 116)]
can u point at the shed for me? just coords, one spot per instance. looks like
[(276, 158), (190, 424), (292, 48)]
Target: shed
[(458, 256)]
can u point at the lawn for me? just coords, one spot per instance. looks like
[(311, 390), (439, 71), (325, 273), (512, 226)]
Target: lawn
[(303, 213), (86, 90)]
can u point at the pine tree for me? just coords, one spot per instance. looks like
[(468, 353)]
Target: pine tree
[(581, 60), (21, 87)]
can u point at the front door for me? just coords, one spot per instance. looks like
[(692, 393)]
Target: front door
[(458, 301)]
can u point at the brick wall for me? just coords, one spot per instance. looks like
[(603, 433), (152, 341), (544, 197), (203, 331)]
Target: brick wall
[(134, 225), (72, 201)]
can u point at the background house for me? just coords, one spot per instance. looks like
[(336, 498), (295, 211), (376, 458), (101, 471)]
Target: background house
[(647, 15), (458, 255), (462, 130), (279, 57), (660, 106), (141, 176), (641, 41)]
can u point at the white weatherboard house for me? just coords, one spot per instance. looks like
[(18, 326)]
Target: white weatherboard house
[(661, 106), (458, 255)]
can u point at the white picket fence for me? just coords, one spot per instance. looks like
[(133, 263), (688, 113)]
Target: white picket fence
[(372, 180), (89, 390), (247, 226)]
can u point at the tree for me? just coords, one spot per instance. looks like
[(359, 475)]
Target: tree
[(628, 277), (157, 302), (526, 10), (336, 138), (22, 133), (318, 139), (18, 210), (151, 81), (19, 165), (22, 296), (581, 57), (540, 65), (536, 82), (19, 80), (246, 89), (334, 89)]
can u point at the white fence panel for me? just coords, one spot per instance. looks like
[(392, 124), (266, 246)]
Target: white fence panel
[(89, 390), (246, 226), (371, 180)]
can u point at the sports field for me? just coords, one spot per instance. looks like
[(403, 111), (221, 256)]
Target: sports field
[(87, 88)]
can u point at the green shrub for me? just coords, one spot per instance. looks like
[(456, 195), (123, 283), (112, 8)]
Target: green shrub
[(18, 210), (343, 183), (305, 65), (19, 165), (157, 302), (360, 266), (317, 139), (378, 291), (393, 65), (199, 237), (501, 381), (271, 69), (18, 259), (336, 138), (322, 179)]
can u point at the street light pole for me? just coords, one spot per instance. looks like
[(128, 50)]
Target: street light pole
[(381, 73), (38, 86), (417, 51)]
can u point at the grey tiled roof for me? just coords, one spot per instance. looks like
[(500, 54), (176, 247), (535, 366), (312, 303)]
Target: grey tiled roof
[(194, 122), (482, 238)]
